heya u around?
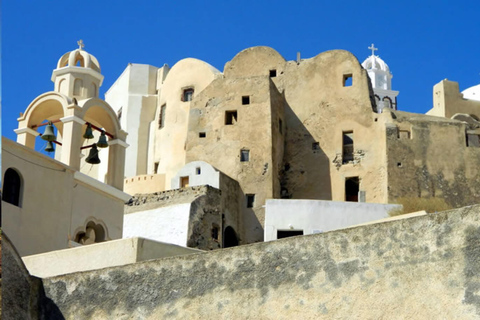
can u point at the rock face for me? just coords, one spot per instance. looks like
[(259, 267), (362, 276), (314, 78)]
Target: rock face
[(425, 267)]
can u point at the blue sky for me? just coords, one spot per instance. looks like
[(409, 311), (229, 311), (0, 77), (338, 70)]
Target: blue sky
[(423, 42)]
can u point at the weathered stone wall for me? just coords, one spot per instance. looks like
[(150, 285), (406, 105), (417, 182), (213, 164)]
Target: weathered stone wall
[(432, 160), (419, 268)]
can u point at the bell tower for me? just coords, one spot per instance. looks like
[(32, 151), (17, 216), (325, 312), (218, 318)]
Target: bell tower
[(381, 79), (77, 74)]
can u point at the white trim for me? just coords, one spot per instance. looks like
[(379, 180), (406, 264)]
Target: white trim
[(74, 69), (26, 130), (102, 187), (119, 142), (73, 118)]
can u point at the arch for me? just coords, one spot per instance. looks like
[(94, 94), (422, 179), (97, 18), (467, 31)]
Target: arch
[(60, 84), (50, 105), (230, 238), (71, 58), (101, 114), (77, 87), (377, 99), (94, 90), (93, 231), (12, 187), (387, 102)]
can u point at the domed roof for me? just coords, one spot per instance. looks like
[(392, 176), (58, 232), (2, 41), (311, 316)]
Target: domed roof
[(374, 62), (472, 93), (79, 58)]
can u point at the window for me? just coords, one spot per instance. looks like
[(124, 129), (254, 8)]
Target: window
[(198, 171), (215, 229), (202, 134), (250, 200), (280, 126), (155, 167), (288, 233), (12, 187), (347, 146), (387, 102), (273, 73), (245, 100), (315, 146), (473, 140), (184, 182), (230, 117), (403, 134), (161, 117), (352, 187), (187, 94), (244, 155), (347, 80)]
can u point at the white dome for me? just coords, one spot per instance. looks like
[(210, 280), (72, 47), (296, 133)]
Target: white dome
[(472, 93), (81, 57), (374, 62)]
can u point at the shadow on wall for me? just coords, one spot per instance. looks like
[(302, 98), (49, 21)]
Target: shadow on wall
[(306, 169)]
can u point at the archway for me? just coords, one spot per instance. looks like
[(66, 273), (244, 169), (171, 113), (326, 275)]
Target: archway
[(230, 238)]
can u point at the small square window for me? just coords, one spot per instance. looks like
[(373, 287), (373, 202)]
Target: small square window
[(315, 146), (244, 155), (187, 94), (198, 171), (347, 80), (250, 200), (273, 73), (230, 117), (215, 231), (245, 100), (202, 134)]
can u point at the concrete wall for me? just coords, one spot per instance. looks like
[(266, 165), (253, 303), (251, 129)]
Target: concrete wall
[(100, 255), (198, 173), (144, 183), (316, 216), (424, 267)]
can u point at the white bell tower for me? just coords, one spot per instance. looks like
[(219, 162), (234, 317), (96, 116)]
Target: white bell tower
[(381, 78)]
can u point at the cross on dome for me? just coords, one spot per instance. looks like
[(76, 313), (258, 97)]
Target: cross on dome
[(81, 45), (372, 47)]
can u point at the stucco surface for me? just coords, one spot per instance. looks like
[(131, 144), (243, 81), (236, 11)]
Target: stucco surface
[(424, 267)]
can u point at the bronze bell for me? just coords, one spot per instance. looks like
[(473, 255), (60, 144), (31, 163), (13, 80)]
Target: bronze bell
[(102, 141), (93, 156), (88, 132), (49, 133), (49, 147)]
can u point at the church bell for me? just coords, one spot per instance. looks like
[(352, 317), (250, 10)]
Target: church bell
[(49, 133), (93, 156), (102, 141), (88, 132), (49, 147)]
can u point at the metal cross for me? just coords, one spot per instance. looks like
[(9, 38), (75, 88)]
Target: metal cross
[(80, 44), (373, 49)]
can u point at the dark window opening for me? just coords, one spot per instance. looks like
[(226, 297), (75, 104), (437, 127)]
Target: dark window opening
[(347, 147), (473, 140), (244, 155), (198, 170), (352, 186), (315, 146), (245, 100), (230, 238), (202, 134), (347, 80), (280, 126), (155, 167), (12, 186), (273, 73), (399, 164), (288, 233), (250, 200), (230, 117), (215, 231), (161, 116), (187, 94)]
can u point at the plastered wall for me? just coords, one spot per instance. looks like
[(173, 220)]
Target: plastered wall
[(423, 267)]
